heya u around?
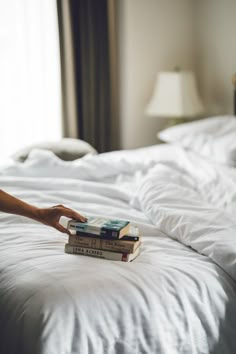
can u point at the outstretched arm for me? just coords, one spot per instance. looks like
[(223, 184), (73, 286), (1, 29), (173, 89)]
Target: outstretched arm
[(48, 216)]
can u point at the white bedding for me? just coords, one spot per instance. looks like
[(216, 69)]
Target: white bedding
[(178, 296)]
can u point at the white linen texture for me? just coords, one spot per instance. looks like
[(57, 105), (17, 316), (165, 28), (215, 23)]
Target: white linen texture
[(177, 297), (213, 138)]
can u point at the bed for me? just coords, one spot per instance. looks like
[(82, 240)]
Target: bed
[(177, 296)]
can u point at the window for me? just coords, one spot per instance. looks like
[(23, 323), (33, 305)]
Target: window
[(30, 94)]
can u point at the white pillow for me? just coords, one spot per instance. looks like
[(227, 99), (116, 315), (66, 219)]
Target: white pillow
[(214, 138), (67, 149)]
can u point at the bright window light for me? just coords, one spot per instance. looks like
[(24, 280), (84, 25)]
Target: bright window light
[(30, 95)]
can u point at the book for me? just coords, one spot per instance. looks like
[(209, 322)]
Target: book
[(101, 226), (119, 245), (123, 238), (113, 256)]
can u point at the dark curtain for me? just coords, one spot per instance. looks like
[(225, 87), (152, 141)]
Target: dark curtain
[(93, 48)]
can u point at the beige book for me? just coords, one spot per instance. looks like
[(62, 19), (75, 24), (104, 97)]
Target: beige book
[(113, 256), (104, 244)]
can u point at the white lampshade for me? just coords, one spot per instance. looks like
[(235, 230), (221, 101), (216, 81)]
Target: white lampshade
[(175, 95)]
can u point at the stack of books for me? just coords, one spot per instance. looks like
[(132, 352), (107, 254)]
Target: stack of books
[(115, 240)]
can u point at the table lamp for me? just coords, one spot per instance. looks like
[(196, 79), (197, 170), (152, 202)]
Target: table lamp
[(175, 96)]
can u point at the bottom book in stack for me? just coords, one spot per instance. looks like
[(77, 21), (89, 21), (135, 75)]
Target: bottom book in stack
[(125, 249)]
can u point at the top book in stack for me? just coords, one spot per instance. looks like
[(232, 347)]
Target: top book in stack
[(102, 227)]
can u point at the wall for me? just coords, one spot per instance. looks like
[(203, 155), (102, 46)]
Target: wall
[(154, 35), (215, 28)]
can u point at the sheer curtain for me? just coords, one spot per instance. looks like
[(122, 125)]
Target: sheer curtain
[(30, 94)]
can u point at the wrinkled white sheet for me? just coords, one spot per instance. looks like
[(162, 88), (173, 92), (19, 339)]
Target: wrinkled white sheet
[(178, 296)]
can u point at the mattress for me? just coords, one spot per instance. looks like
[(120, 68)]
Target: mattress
[(177, 296)]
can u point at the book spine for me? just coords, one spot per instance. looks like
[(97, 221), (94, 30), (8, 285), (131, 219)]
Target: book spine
[(115, 256), (98, 243), (98, 232), (82, 241), (99, 226), (124, 238), (86, 229)]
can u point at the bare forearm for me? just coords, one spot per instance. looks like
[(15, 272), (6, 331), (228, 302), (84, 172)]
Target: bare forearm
[(48, 216), (12, 205)]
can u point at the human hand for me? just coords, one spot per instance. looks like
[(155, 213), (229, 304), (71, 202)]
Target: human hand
[(51, 217)]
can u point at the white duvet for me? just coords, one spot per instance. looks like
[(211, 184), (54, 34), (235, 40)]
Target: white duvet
[(178, 296)]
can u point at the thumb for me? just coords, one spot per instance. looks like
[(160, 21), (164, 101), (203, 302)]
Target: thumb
[(62, 229)]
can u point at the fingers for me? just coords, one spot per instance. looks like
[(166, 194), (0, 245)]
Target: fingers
[(77, 216), (72, 214)]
